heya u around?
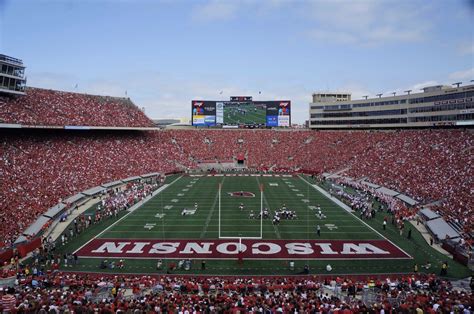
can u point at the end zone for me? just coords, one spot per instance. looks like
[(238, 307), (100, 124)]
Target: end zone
[(249, 249)]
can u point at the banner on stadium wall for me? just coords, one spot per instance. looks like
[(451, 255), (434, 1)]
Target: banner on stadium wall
[(8, 282), (24, 249), (6, 255)]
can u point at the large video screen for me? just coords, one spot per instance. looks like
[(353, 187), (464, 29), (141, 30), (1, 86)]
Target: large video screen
[(241, 113)]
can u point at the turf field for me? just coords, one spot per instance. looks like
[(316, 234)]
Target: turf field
[(244, 114), (164, 212), (158, 229)]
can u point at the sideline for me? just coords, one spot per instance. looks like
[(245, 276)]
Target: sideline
[(426, 235), (130, 210), (59, 227), (348, 209)]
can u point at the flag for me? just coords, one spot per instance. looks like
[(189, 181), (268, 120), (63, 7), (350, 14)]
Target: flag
[(259, 92), (221, 93)]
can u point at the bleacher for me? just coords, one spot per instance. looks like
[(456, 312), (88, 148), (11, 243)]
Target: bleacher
[(39, 169), (43, 107)]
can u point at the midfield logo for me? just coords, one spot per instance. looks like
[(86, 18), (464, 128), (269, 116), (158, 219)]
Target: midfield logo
[(241, 194)]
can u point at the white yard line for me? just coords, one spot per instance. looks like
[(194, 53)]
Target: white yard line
[(211, 212), (293, 232), (130, 210), (277, 232), (227, 225)]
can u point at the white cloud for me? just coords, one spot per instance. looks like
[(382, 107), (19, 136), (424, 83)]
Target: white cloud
[(167, 96), (299, 95), (415, 88), (466, 48), (66, 82), (51, 80), (216, 10), (340, 37), (419, 86), (366, 23), (104, 87), (357, 91), (463, 75)]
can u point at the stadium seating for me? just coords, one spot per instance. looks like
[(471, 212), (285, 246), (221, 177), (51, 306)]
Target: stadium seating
[(40, 169), (79, 293), (56, 108), (430, 166)]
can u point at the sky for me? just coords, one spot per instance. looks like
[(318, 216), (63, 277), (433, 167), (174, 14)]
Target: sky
[(163, 54)]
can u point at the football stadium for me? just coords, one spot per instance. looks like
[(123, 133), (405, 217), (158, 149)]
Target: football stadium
[(366, 207)]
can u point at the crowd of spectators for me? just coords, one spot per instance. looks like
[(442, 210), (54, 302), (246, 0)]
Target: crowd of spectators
[(98, 293), (431, 166), (427, 165), (111, 204), (57, 108), (38, 171), (122, 199), (366, 197)]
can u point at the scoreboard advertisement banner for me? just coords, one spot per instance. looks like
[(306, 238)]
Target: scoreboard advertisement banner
[(220, 113), (204, 113), (278, 113), (244, 112)]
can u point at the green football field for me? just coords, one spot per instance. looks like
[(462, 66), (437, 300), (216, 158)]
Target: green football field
[(253, 115), (161, 220), (296, 194)]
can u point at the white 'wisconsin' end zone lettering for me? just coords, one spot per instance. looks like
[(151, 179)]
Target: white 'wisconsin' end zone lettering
[(111, 247), (251, 249), (299, 248), (362, 248)]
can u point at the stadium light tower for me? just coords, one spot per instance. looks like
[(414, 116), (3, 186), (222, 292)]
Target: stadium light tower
[(365, 97), (408, 91), (394, 93), (380, 95), (457, 84)]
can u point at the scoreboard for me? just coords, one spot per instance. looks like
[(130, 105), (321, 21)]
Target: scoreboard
[(241, 111), (240, 98)]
